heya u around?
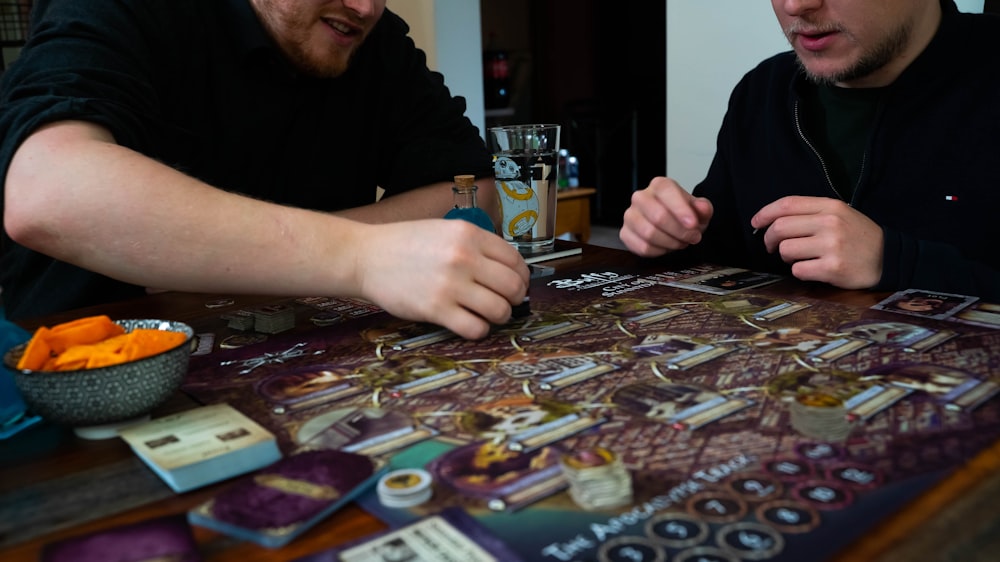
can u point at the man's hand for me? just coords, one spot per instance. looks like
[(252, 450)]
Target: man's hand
[(824, 240), (451, 273), (664, 218)]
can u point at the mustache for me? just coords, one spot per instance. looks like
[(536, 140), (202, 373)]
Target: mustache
[(804, 27)]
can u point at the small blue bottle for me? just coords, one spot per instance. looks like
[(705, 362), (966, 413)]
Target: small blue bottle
[(465, 204)]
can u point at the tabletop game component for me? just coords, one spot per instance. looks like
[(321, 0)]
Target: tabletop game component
[(242, 320), (465, 207), (201, 446), (522, 310), (597, 478), (273, 319), (162, 538), (451, 534), (820, 416), (406, 487), (282, 501)]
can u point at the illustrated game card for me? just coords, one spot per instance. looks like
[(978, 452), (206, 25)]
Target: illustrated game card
[(525, 423), (505, 479), (958, 389), (985, 314), (366, 431), (929, 304), (678, 351), (451, 534), (725, 280), (282, 501), (681, 405), (306, 387), (163, 538), (554, 368)]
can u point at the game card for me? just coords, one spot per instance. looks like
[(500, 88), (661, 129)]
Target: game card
[(873, 400), (909, 337), (683, 406), (403, 376), (367, 431), (958, 389), (724, 281), (525, 423), (307, 387), (451, 534), (505, 479), (679, 352), (928, 304), (162, 538), (985, 314), (553, 369)]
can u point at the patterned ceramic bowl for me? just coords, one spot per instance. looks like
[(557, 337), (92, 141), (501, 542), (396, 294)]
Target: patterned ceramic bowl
[(105, 395)]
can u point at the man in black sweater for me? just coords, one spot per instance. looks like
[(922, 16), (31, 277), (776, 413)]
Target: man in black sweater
[(866, 158)]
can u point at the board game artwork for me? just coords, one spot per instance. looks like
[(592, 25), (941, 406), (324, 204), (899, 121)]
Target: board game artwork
[(632, 417)]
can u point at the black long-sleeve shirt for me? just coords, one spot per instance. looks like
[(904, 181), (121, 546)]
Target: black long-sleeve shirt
[(199, 85), (931, 177)]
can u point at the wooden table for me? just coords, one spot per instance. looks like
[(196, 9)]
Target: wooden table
[(33, 458)]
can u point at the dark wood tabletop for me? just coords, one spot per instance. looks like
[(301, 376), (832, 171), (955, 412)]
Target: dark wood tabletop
[(45, 453)]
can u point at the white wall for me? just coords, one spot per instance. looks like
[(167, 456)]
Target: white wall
[(449, 32), (710, 46)]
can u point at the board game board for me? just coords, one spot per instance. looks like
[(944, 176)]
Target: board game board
[(713, 402)]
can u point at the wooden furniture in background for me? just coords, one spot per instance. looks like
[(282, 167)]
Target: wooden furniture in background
[(573, 212)]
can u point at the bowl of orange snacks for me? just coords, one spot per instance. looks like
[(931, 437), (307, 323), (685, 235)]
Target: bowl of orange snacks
[(97, 375)]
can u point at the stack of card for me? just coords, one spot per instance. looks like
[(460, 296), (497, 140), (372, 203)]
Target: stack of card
[(274, 318), (282, 501), (242, 320), (597, 478), (820, 416)]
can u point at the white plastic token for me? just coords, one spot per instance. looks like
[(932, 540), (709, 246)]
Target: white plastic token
[(406, 487)]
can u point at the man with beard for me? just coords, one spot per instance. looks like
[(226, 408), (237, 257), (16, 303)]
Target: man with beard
[(237, 146), (865, 158)]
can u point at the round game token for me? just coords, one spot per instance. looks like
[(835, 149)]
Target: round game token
[(705, 554), (756, 487), (857, 476), (788, 516), (631, 549), (717, 507), (405, 487), (824, 495), (789, 469), (750, 541), (819, 452), (677, 530)]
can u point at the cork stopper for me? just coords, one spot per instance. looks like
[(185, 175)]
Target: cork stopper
[(465, 180)]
